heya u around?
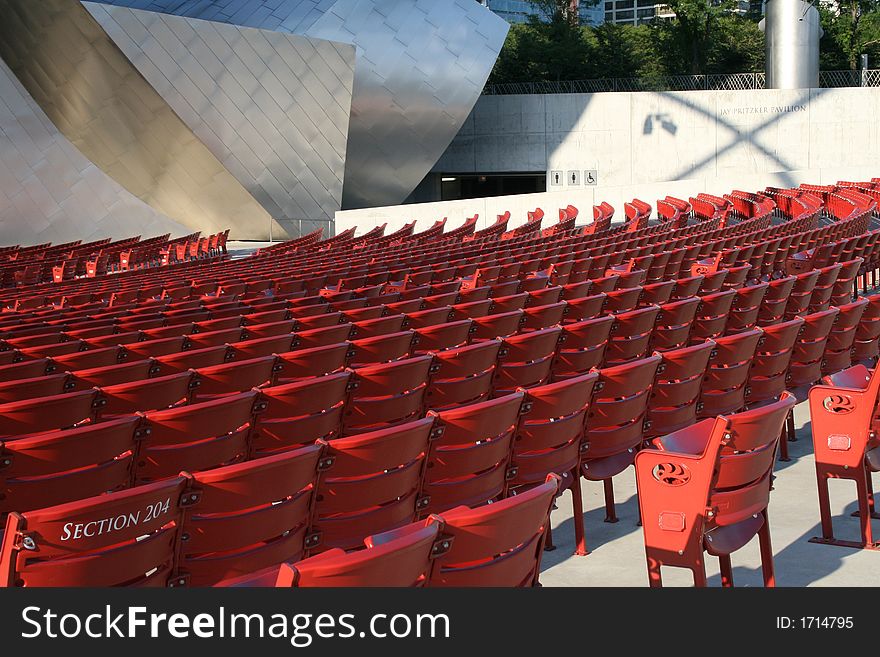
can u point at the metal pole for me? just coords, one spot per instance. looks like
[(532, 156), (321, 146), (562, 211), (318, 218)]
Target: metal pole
[(792, 34)]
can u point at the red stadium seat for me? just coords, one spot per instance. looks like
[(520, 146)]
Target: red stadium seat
[(745, 308), (525, 360), (843, 416), (724, 386), (799, 297), (41, 386), (238, 376), (550, 440), (806, 360), (429, 317), (583, 308), (402, 557), (509, 303), (657, 294), (62, 466), (124, 538), (615, 424), (197, 437), (582, 347), (463, 375), (496, 545), (299, 413), (442, 336), (469, 460), (675, 394), (768, 373), (323, 337), (686, 287), (381, 348), (386, 395), (257, 347), (622, 300), (247, 517), (196, 358), (838, 349), (820, 299), (712, 315), (866, 346), (542, 317), (373, 484), (136, 370), (317, 361), (48, 413), (148, 395), (631, 335), (502, 325), (673, 325), (775, 301), (728, 464)]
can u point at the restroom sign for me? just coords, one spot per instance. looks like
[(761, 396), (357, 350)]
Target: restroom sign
[(573, 178), (556, 178), (591, 177)]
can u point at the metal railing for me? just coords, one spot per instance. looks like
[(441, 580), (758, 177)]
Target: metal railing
[(718, 82)]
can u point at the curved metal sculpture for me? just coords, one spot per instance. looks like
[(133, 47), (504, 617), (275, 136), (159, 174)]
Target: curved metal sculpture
[(272, 107), (263, 116), (98, 101), (50, 192), (421, 65)]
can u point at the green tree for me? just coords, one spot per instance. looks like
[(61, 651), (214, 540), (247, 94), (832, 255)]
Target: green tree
[(558, 49), (852, 27), (694, 29), (617, 52), (738, 46)]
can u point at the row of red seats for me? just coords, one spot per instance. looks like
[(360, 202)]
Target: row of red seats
[(211, 527), (142, 292), (65, 263), (668, 313)]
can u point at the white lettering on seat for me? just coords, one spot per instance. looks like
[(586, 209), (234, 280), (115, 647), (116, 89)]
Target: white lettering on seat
[(78, 530)]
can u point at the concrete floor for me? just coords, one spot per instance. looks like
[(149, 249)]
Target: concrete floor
[(238, 249), (617, 556)]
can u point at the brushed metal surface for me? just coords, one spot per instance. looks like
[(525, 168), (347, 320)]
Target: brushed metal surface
[(99, 101), (421, 66), (50, 192), (791, 37), (272, 107)]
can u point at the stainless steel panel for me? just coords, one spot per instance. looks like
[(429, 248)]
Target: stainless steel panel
[(792, 33), (49, 191), (421, 66), (99, 101), (272, 107)]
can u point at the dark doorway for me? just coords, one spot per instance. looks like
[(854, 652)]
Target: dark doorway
[(454, 186)]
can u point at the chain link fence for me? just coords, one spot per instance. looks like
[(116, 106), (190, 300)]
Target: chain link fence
[(721, 82)]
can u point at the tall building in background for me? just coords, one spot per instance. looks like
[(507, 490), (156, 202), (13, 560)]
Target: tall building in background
[(519, 11), (636, 12), (632, 12)]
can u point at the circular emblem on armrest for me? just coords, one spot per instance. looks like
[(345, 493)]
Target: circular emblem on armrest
[(838, 404), (671, 474)]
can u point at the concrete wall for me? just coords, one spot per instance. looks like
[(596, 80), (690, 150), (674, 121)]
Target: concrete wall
[(706, 140), (488, 208)]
